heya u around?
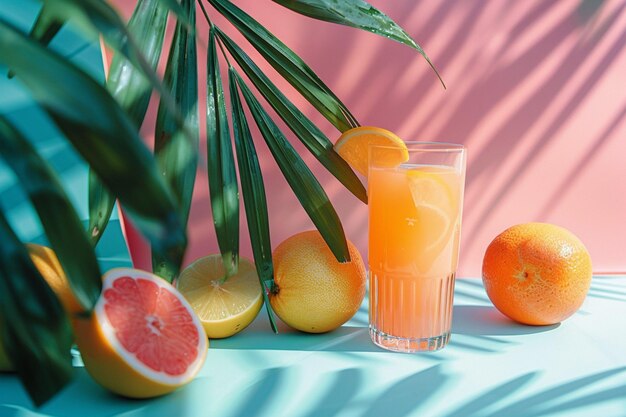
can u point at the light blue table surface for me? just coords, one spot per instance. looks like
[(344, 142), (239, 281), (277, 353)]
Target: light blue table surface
[(492, 366)]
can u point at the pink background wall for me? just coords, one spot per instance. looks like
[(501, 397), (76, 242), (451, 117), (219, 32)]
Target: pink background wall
[(536, 91)]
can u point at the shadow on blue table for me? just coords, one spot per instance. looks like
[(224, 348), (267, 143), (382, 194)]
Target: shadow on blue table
[(477, 322), (341, 391), (83, 397), (605, 288), (258, 337), (557, 399), (475, 327), (487, 321)]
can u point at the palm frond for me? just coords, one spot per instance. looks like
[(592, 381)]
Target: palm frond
[(222, 175), (131, 89), (254, 197), (357, 14), (34, 328), (309, 134), (101, 132), (289, 65), (300, 178), (176, 150), (58, 217)]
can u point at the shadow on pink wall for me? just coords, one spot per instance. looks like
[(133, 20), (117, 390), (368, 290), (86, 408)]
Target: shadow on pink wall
[(535, 91)]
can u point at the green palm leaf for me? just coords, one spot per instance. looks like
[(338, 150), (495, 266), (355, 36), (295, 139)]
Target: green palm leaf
[(289, 65), (358, 14), (34, 329), (300, 178), (98, 17), (58, 217), (100, 131), (182, 15), (254, 198), (126, 83), (309, 134), (100, 202), (176, 153), (46, 26), (44, 29), (222, 176), (132, 90)]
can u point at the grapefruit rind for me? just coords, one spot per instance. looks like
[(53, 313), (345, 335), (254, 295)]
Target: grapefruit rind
[(130, 358), (161, 381)]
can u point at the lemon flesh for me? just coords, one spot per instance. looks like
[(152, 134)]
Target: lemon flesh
[(225, 307)]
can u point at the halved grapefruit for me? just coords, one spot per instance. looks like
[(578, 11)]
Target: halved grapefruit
[(143, 338)]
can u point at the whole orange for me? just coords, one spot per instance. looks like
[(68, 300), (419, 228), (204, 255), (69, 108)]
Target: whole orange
[(313, 291), (537, 273)]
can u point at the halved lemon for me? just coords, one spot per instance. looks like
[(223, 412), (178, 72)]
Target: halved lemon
[(225, 307), (353, 146)]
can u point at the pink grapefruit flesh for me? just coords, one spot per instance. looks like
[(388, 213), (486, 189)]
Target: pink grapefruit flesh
[(143, 338)]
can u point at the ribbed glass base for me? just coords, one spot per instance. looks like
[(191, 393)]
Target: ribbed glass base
[(408, 345)]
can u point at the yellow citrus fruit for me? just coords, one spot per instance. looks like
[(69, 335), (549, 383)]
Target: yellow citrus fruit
[(49, 267), (353, 146), (537, 273), (225, 307), (143, 338), (314, 292)]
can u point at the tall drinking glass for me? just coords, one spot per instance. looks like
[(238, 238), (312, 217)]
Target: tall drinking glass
[(414, 232)]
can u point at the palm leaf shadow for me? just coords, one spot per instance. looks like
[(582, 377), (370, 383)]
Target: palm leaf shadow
[(486, 100), (492, 396), (569, 179), (542, 403), (607, 294), (595, 398), (262, 393), (409, 394), (589, 9), (515, 176), (339, 393)]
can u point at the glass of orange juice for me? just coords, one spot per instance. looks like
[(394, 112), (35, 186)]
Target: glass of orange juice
[(414, 231)]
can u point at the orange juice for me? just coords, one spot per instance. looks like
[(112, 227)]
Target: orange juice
[(414, 231)]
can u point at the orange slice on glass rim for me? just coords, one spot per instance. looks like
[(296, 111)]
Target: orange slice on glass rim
[(353, 146)]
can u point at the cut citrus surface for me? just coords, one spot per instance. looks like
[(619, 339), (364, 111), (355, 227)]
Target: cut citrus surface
[(353, 146), (143, 338), (224, 307)]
